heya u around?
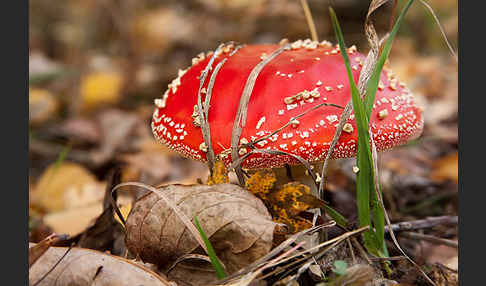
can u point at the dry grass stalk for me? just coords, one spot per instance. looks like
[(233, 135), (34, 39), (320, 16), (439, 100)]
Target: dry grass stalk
[(240, 119), (310, 21)]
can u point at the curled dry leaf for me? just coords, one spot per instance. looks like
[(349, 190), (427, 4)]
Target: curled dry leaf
[(193, 271), (238, 225), (89, 267), (40, 248)]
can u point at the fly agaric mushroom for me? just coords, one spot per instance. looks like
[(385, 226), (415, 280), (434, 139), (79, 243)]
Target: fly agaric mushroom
[(302, 75)]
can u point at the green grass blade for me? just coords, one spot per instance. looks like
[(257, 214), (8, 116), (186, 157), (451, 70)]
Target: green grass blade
[(62, 156), (335, 215), (365, 177), (60, 159), (378, 215), (372, 88), (375, 77), (48, 77), (212, 255)]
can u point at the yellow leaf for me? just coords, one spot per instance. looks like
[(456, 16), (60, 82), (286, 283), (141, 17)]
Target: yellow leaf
[(59, 186), (261, 183), (125, 210), (100, 88)]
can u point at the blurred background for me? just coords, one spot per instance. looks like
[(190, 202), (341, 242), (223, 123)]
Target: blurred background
[(96, 66)]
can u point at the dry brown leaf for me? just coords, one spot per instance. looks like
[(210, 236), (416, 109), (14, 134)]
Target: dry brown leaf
[(193, 271), (89, 267), (237, 224), (446, 168), (81, 129), (154, 165), (117, 127), (434, 253), (66, 185), (36, 251), (73, 221)]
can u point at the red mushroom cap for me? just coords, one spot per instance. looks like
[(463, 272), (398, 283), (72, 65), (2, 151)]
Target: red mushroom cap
[(307, 74)]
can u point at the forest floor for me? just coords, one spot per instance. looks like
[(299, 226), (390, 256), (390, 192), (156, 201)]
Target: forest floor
[(97, 66)]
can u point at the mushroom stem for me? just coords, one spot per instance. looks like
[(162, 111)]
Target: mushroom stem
[(298, 173), (289, 171)]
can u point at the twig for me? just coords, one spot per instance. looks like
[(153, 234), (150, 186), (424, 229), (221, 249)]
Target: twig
[(252, 275), (430, 238), (304, 162), (315, 256), (240, 118), (391, 258), (250, 144), (351, 250), (311, 259), (203, 111), (422, 223), (395, 241), (331, 241), (330, 244), (274, 252), (360, 249)]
